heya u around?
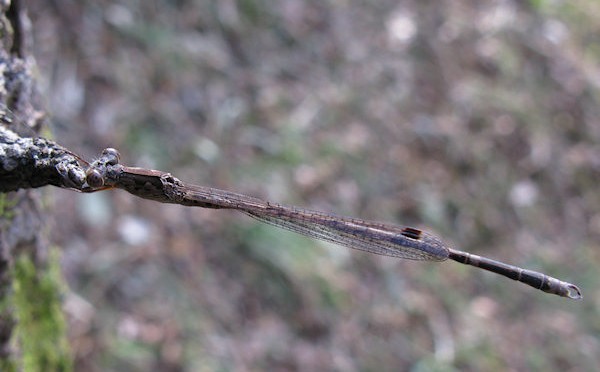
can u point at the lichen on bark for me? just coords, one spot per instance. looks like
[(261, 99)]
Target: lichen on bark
[(29, 281)]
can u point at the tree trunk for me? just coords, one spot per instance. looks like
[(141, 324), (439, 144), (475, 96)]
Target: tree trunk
[(32, 335)]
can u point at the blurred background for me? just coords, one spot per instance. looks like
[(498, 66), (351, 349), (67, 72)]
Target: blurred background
[(475, 120)]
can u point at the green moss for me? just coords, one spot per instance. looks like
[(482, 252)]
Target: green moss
[(8, 365), (6, 206), (40, 331), (7, 362)]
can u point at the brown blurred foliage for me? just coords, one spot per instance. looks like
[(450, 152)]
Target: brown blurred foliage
[(478, 120)]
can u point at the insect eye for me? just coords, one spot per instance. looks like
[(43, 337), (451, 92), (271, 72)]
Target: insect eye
[(94, 178), (112, 155)]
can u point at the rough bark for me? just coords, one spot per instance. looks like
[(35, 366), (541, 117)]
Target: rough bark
[(34, 162), (21, 219)]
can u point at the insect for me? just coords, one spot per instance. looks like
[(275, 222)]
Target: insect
[(373, 237)]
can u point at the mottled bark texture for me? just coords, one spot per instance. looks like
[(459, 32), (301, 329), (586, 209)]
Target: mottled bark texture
[(20, 220), (34, 162)]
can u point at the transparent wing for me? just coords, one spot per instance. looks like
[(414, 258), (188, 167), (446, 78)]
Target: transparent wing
[(355, 233)]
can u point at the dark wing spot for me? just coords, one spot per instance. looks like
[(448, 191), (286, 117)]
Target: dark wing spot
[(412, 233)]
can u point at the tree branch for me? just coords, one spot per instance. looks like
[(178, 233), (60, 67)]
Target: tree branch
[(35, 162)]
